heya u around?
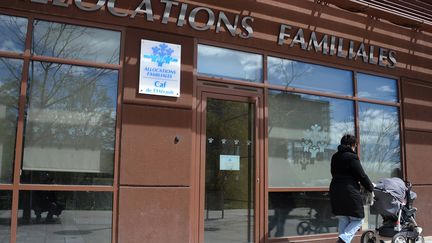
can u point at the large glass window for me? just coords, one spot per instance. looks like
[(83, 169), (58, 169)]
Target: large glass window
[(226, 63), (289, 73), (13, 33), (59, 216), (68, 134), (10, 81), (380, 140), (5, 215), (75, 42), (377, 88), (304, 131), (70, 125)]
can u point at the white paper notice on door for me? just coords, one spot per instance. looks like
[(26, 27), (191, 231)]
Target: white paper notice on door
[(229, 162)]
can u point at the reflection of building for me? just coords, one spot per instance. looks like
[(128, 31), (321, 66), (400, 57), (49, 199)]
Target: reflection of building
[(132, 167)]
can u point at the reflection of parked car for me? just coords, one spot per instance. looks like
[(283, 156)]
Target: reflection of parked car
[(318, 223)]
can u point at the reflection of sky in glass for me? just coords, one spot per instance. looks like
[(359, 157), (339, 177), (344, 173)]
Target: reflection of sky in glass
[(75, 42), (309, 76), (67, 81), (293, 120), (375, 87), (380, 140), (226, 63), (13, 32)]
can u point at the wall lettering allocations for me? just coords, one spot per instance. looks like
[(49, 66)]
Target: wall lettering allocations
[(241, 26)]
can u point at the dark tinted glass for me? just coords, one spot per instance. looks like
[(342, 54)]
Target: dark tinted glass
[(380, 140), (10, 81), (70, 125), (303, 133), (302, 75), (13, 33), (75, 42), (226, 63), (5, 215), (57, 216), (300, 213), (377, 88)]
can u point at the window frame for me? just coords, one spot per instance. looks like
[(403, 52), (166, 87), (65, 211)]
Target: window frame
[(16, 187)]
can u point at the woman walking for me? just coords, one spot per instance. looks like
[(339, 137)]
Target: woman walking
[(346, 201)]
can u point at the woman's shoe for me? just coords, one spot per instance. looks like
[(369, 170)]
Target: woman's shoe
[(340, 240)]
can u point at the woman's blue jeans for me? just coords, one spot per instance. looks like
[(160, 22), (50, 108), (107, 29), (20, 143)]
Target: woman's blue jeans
[(348, 226)]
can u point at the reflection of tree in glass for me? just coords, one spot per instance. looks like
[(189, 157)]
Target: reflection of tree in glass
[(10, 80), (73, 106), (379, 138), (10, 85), (71, 110), (287, 72), (14, 31), (71, 113), (75, 42)]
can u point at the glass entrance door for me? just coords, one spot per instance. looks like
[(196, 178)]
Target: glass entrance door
[(230, 171)]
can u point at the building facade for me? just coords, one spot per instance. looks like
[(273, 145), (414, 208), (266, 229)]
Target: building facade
[(205, 121)]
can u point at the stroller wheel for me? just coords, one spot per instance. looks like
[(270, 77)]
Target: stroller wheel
[(399, 238), (368, 237), (303, 228)]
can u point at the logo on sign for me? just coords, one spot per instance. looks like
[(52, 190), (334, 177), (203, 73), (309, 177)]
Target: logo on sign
[(160, 68), (161, 55)]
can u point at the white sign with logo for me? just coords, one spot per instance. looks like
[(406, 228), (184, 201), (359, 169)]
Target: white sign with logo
[(229, 162), (160, 68)]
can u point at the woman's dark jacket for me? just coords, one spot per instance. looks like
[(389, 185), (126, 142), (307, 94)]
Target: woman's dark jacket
[(347, 172)]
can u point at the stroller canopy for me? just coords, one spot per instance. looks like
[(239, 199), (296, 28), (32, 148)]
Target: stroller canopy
[(395, 186), (389, 196)]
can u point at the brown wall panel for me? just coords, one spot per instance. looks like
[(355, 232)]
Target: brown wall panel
[(424, 204), (149, 153), (417, 104), (132, 63), (418, 157), (153, 215)]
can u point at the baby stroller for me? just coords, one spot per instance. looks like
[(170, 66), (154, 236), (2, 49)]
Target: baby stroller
[(393, 201)]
